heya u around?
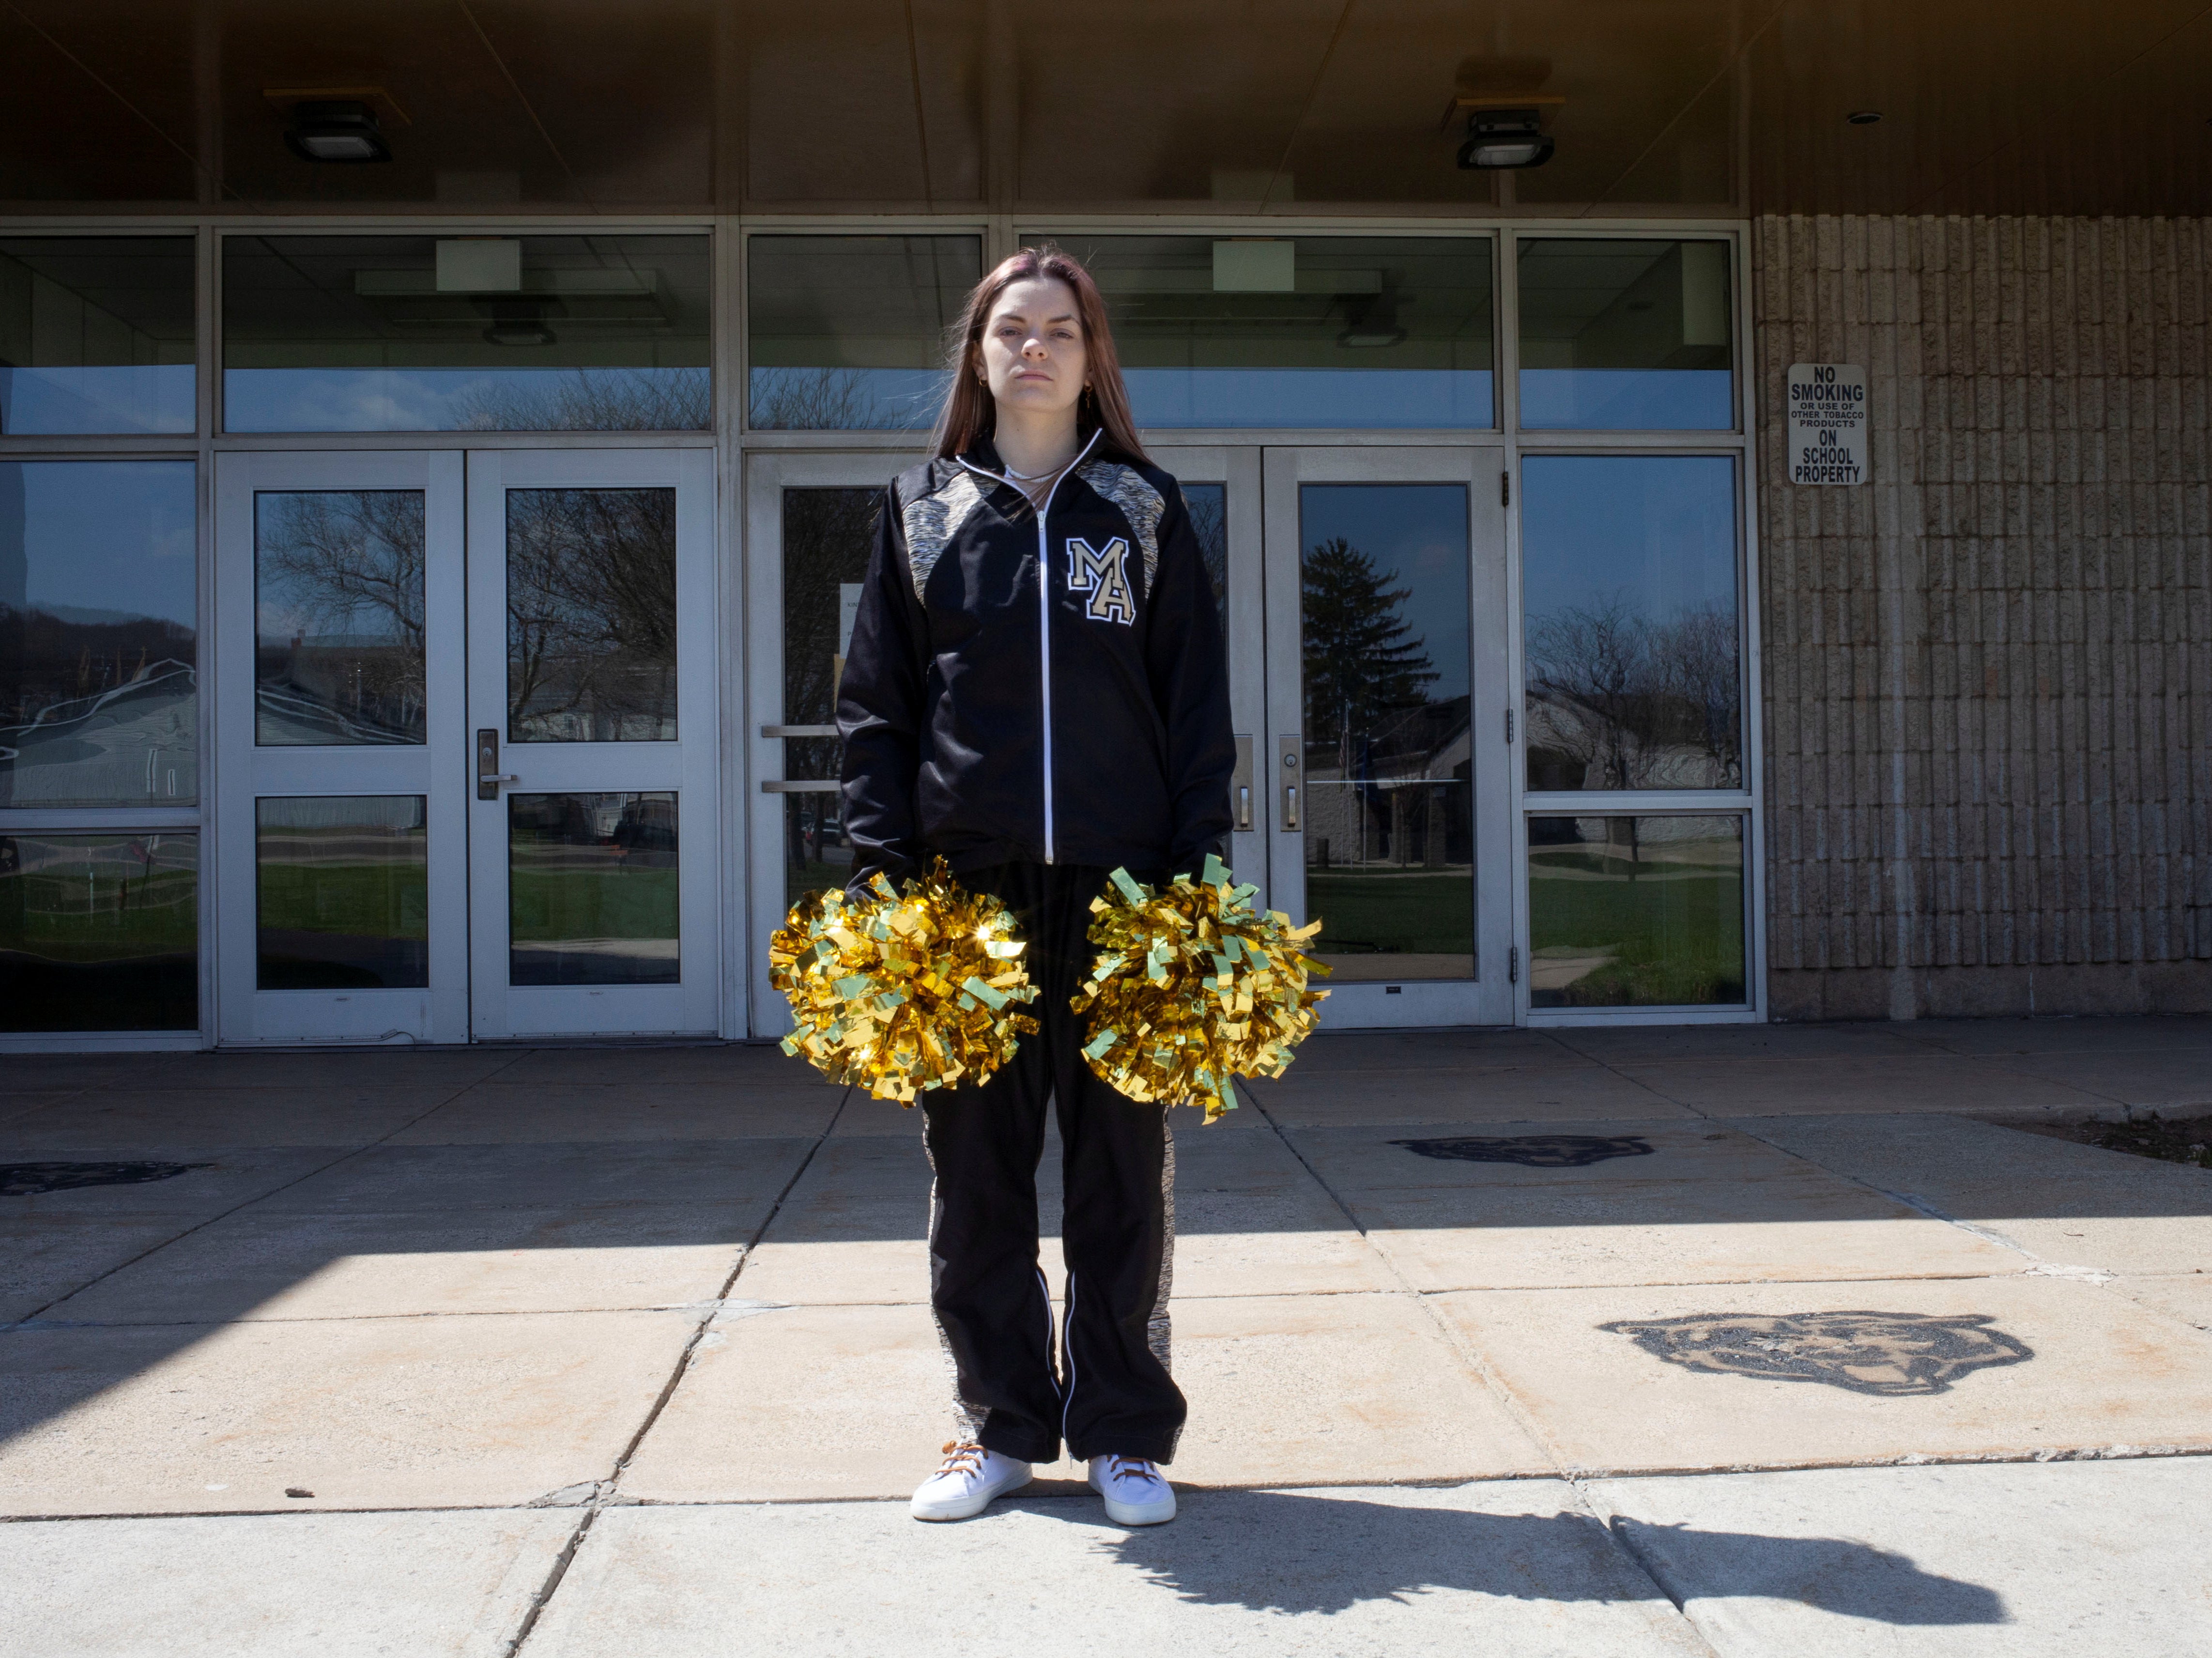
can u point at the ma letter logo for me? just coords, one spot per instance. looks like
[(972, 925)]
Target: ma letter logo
[(1105, 576)]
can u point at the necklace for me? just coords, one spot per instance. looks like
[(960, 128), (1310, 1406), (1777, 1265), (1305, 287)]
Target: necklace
[(1038, 477)]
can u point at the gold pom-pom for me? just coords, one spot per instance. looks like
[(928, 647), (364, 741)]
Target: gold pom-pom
[(1192, 985), (899, 992)]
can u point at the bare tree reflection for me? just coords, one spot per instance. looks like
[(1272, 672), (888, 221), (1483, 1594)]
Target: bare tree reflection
[(809, 400), (1208, 506), (1617, 701), (591, 616), (828, 535), (588, 400), (339, 617)]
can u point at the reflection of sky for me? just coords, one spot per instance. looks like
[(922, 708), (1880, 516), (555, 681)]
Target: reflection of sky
[(1416, 534), (132, 397), (101, 540), (1627, 399), (296, 606), (855, 399), (1657, 529), (844, 399), (1370, 397), (408, 399)]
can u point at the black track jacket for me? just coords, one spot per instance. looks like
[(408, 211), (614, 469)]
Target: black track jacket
[(1035, 687)]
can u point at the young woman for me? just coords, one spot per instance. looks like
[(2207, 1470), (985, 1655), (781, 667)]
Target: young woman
[(1037, 692)]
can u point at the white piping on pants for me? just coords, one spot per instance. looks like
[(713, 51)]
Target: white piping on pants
[(1067, 1351)]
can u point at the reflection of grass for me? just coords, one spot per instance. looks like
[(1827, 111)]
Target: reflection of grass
[(61, 917), (548, 906), (103, 954), (1418, 915), (369, 900), (1675, 934)]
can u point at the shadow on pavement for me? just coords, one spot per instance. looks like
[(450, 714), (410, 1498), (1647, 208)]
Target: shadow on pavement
[(1288, 1552)]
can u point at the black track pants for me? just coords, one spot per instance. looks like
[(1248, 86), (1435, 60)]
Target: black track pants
[(1111, 1392)]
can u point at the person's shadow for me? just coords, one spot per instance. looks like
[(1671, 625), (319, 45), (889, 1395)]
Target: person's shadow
[(1274, 1552)]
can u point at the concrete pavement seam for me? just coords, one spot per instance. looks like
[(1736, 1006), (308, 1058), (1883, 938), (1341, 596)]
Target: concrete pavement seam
[(247, 1203), (1494, 1385), (604, 1495)]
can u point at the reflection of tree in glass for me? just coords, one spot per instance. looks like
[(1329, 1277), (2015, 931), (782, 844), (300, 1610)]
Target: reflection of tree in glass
[(1208, 505), (591, 616), (1359, 663), (1619, 702), (588, 400), (828, 535), (812, 400), (339, 607)]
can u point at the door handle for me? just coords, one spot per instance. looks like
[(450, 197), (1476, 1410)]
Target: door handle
[(1286, 753), (1244, 805), (488, 775), (1241, 779), (1290, 805)]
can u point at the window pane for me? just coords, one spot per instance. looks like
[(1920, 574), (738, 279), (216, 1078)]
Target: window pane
[(1389, 816), (99, 608), (1208, 505), (465, 334), (592, 890), (847, 332), (1626, 336), (99, 931), (1629, 583), (591, 616), (337, 616), (827, 537), (1311, 330), (344, 892), (816, 853), (1635, 912), (96, 334)]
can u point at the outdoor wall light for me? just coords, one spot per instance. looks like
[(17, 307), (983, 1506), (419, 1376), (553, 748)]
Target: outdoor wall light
[(1505, 138), (336, 129)]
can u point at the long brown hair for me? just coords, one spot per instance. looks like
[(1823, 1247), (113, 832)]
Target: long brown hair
[(970, 410)]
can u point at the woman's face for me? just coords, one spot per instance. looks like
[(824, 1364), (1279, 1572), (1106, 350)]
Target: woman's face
[(1033, 357)]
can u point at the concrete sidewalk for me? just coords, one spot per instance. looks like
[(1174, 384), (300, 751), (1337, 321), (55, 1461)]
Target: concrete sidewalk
[(1720, 1339)]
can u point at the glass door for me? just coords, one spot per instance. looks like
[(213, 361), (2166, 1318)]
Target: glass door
[(1387, 739), (810, 525), (590, 747), (1221, 488), (341, 808)]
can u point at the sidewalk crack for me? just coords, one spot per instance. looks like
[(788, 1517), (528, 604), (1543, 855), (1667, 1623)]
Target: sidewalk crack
[(1495, 1386), (596, 1496)]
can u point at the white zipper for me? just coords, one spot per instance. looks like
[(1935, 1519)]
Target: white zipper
[(1044, 613)]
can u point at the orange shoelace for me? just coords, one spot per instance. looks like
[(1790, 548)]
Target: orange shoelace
[(961, 1459)]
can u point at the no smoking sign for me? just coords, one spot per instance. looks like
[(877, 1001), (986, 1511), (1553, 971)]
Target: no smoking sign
[(1827, 423)]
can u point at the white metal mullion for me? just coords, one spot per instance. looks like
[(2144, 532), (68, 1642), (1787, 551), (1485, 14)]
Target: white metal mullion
[(733, 851), (206, 319)]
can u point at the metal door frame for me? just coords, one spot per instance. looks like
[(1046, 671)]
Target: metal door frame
[(245, 1013), (758, 845), (1488, 999), (689, 766)]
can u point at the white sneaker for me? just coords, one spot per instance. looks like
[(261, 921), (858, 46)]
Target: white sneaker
[(1137, 1493), (964, 1487)]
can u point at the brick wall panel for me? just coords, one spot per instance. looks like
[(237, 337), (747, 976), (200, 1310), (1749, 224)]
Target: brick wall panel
[(1989, 671)]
